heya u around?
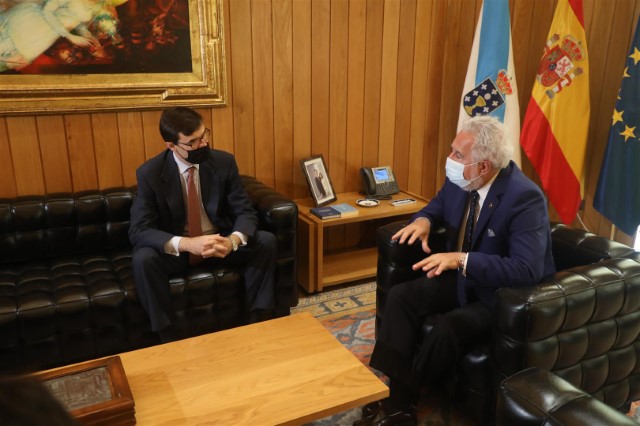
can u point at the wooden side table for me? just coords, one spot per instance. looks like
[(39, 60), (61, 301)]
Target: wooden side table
[(316, 267)]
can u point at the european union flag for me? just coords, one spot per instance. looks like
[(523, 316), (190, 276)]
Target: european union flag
[(618, 192)]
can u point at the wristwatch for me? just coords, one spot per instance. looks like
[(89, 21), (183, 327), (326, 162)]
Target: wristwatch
[(234, 245), (461, 261)]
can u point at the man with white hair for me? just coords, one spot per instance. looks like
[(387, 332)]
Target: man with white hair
[(498, 235)]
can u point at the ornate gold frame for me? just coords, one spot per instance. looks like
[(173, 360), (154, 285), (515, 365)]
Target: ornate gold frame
[(204, 86)]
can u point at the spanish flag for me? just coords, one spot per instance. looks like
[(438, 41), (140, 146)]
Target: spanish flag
[(556, 125)]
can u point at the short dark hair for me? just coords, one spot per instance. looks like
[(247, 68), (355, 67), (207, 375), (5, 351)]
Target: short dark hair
[(176, 120)]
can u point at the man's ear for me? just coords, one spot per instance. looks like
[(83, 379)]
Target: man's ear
[(170, 146), (485, 166)]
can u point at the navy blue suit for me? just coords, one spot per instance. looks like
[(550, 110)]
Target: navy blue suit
[(511, 246), (159, 213)]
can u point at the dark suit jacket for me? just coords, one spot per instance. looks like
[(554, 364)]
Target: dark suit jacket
[(158, 211), (511, 244)]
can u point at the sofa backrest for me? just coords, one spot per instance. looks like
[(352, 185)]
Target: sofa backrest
[(576, 247), (41, 227), (583, 324)]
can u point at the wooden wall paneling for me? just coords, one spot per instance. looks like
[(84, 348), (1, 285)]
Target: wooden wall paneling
[(372, 80), (432, 152), (454, 49), (421, 53), (522, 21), (262, 37), (606, 86), (320, 61), (388, 86), (153, 143), (355, 105), (355, 93), (131, 144), (8, 187), (54, 154), (404, 91), (283, 95), (25, 152), (241, 80), (338, 76), (222, 117), (338, 69), (106, 142), (301, 93), (82, 159)]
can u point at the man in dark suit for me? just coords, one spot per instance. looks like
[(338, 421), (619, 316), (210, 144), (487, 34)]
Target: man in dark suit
[(508, 244), (163, 240)]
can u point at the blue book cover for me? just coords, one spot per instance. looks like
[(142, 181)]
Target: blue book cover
[(325, 212), (345, 209)]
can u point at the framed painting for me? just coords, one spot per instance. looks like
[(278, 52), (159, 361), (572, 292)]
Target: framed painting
[(318, 179), (94, 55)]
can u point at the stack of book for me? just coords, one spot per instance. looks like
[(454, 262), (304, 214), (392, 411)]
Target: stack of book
[(335, 211)]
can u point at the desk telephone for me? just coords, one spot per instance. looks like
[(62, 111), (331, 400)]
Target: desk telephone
[(379, 182)]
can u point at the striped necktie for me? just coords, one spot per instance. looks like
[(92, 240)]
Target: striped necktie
[(471, 218)]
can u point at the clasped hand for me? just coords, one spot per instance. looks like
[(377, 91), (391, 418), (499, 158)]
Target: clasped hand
[(214, 245), (433, 265)]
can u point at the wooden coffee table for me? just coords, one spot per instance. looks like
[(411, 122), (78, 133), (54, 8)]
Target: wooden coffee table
[(288, 370)]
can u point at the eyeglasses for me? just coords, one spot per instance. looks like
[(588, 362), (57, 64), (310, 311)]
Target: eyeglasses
[(197, 141)]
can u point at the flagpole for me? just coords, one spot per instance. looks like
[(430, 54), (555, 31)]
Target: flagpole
[(613, 231)]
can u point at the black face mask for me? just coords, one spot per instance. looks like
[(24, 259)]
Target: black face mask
[(197, 156)]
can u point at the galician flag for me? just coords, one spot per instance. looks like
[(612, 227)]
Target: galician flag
[(490, 86), (618, 192), (556, 125)]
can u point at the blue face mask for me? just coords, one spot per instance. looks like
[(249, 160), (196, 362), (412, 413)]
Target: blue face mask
[(455, 173)]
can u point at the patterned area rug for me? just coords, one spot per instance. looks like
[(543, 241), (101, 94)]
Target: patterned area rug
[(349, 314)]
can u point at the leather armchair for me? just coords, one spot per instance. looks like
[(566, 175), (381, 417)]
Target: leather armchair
[(66, 286), (538, 397), (582, 324)]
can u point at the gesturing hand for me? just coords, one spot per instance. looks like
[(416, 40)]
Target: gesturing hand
[(417, 230), (436, 264)]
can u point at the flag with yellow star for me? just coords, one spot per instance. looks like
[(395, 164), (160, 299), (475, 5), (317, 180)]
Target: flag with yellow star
[(618, 193)]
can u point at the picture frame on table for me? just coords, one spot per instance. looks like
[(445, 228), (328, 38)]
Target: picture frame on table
[(111, 56), (320, 186)]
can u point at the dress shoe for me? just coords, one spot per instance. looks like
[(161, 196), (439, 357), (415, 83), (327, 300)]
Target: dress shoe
[(385, 417), (371, 409)]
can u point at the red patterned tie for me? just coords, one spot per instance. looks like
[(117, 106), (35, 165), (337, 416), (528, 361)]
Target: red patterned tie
[(193, 213)]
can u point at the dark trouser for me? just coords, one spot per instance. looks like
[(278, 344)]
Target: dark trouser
[(152, 269), (399, 351)]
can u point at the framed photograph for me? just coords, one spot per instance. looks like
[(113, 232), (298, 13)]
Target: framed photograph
[(93, 392), (318, 179), (87, 55)]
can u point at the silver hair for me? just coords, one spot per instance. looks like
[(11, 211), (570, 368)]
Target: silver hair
[(491, 141)]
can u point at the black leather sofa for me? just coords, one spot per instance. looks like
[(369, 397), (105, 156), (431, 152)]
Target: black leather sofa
[(583, 324), (66, 287), (535, 397)]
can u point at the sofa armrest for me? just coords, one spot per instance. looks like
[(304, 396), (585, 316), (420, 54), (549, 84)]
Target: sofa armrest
[(395, 260), (576, 247), (538, 397), (278, 215), (582, 324)]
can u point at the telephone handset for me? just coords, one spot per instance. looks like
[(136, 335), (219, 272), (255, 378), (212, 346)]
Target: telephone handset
[(379, 182)]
